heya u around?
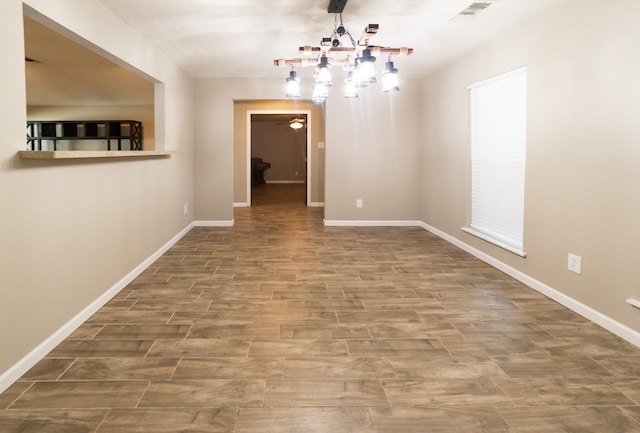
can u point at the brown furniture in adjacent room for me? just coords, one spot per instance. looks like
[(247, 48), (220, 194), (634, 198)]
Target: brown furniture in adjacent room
[(258, 167)]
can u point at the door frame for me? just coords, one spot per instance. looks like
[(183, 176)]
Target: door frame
[(308, 156)]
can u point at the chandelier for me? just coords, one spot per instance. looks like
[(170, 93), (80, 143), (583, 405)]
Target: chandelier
[(357, 59)]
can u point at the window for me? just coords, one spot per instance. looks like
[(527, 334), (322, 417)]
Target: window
[(498, 145)]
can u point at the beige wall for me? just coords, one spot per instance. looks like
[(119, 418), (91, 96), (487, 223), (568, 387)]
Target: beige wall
[(71, 230), (583, 150), (141, 113), (214, 173), (373, 153)]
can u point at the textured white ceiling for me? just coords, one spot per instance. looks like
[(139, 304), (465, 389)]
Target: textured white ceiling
[(241, 38)]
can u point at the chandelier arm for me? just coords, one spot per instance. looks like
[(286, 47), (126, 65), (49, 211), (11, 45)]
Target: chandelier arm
[(399, 52), (370, 31)]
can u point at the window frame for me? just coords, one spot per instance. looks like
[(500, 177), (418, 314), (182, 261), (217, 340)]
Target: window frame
[(484, 219)]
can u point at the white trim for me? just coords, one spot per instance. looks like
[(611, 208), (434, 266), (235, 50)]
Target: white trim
[(220, 223), (622, 331), (633, 302), (371, 223), (248, 161), (284, 181), (40, 351), (316, 204), (241, 204), (494, 241), (308, 156), (498, 160), (497, 77)]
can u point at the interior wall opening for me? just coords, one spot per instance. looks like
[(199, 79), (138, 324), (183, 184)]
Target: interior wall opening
[(68, 79), (279, 157), (311, 171)]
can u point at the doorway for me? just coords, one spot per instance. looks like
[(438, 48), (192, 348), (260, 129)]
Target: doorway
[(285, 149)]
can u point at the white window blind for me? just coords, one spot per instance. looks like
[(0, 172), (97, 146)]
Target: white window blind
[(498, 151)]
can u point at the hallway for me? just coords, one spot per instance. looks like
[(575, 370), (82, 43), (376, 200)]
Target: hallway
[(280, 324)]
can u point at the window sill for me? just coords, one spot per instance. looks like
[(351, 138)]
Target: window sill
[(79, 154), (495, 242)]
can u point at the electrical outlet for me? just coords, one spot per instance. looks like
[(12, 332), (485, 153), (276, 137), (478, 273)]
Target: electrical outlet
[(359, 203), (320, 144), (186, 208), (575, 263)]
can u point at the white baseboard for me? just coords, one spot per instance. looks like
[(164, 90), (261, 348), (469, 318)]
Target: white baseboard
[(585, 311), (221, 223), (32, 358), (312, 204), (371, 223)]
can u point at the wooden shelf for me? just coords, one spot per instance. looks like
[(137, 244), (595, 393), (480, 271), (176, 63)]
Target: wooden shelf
[(78, 154)]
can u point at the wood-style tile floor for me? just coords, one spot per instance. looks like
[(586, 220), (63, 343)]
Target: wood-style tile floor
[(280, 324)]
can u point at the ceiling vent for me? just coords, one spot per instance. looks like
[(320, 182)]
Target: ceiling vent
[(474, 9)]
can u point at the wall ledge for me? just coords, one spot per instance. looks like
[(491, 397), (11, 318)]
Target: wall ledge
[(213, 223), (80, 154)]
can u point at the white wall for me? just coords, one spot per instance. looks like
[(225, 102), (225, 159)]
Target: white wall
[(69, 231), (583, 150)]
